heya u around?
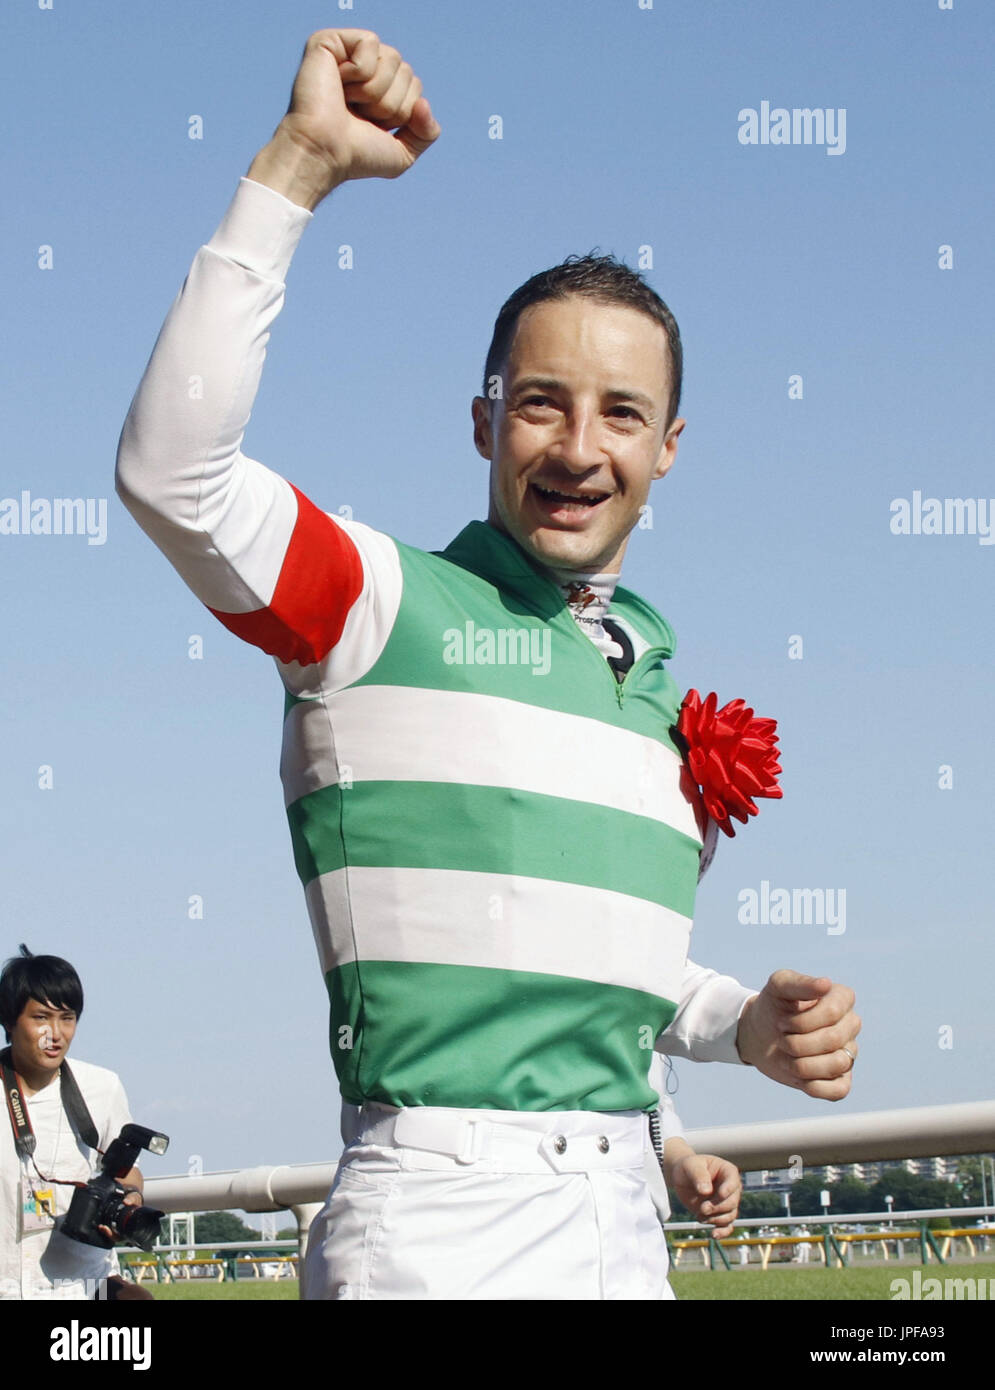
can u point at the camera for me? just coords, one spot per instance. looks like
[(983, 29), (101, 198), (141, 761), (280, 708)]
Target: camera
[(100, 1202)]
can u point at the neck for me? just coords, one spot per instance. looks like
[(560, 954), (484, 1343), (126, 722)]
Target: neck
[(588, 597), (588, 593)]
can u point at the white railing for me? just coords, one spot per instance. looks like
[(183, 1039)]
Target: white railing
[(288, 1186), (926, 1132)]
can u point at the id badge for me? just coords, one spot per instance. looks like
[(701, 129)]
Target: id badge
[(37, 1207)]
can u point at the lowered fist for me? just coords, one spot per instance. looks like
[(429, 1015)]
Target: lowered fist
[(710, 1187)]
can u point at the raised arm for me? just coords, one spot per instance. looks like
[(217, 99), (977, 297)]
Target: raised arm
[(272, 567)]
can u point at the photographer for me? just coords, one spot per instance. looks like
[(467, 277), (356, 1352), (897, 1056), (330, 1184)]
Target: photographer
[(56, 1121)]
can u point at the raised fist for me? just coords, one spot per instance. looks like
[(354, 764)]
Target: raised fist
[(356, 112), (350, 93)]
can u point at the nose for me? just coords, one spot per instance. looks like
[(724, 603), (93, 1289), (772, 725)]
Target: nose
[(576, 445)]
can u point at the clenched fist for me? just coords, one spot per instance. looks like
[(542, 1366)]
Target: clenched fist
[(710, 1187), (356, 112), (801, 1031)]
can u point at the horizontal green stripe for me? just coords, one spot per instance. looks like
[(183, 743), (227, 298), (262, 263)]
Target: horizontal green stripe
[(447, 1035), (497, 830), (439, 596)]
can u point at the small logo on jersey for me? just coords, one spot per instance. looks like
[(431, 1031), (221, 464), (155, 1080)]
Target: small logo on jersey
[(581, 595)]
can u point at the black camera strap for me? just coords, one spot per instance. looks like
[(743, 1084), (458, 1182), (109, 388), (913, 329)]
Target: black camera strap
[(17, 1109), (76, 1108)]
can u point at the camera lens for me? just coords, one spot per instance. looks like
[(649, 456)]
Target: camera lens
[(138, 1225)]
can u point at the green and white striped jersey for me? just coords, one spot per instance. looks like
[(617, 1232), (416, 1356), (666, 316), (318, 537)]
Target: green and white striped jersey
[(498, 841)]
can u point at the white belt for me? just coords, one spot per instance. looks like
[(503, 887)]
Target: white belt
[(566, 1141)]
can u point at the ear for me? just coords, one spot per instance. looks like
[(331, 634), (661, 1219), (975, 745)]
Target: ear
[(483, 436), (668, 452)]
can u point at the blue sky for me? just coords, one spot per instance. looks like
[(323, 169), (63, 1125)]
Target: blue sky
[(620, 130)]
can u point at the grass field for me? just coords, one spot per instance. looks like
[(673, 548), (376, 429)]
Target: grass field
[(778, 1285), (194, 1290), (812, 1284)]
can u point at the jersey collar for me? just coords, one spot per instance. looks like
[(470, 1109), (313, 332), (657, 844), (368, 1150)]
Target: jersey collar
[(483, 549)]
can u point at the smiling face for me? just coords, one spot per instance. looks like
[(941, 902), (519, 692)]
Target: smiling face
[(580, 433), (40, 1039)]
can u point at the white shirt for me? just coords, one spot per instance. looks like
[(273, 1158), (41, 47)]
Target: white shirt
[(45, 1264)]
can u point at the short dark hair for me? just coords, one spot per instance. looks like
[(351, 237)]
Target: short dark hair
[(602, 278), (49, 979)]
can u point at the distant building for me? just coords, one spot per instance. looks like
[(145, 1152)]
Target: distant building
[(781, 1179)]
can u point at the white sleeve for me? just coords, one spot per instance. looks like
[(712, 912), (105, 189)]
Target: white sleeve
[(271, 566), (223, 520), (670, 1128), (705, 1025), (670, 1121)]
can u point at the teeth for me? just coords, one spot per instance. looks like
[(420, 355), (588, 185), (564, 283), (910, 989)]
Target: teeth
[(586, 501)]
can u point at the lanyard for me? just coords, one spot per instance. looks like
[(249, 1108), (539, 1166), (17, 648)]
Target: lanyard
[(17, 1108)]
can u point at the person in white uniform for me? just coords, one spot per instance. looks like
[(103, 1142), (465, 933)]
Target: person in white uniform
[(526, 1198)]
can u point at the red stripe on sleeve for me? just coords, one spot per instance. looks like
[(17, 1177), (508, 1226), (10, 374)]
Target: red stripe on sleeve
[(320, 579)]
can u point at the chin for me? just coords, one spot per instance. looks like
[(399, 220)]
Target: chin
[(571, 550)]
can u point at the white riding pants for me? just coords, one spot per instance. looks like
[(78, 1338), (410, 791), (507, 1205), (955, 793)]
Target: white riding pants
[(432, 1203)]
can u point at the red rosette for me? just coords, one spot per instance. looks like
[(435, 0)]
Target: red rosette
[(732, 755)]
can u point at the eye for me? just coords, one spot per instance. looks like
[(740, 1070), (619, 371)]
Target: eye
[(626, 412)]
